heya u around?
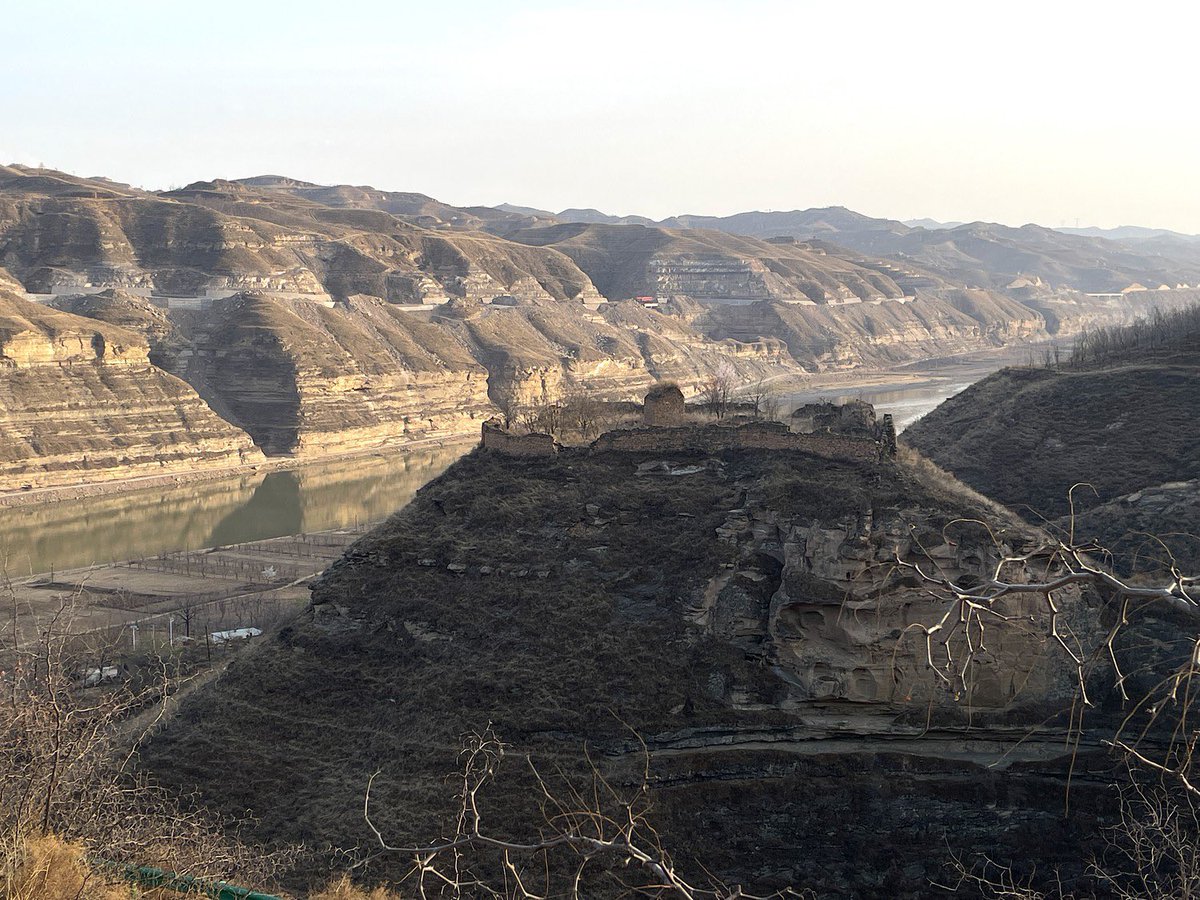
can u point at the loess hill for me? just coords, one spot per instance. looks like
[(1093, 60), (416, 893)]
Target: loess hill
[(737, 609), (81, 396), (317, 320), (1125, 426)]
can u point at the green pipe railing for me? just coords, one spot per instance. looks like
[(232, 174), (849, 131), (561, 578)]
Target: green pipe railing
[(150, 877)]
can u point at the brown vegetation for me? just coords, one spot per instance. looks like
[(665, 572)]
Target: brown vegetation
[(69, 796), (1149, 337), (542, 595)]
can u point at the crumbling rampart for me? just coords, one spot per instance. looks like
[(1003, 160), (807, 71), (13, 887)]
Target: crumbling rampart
[(862, 439), (495, 438), (755, 435)]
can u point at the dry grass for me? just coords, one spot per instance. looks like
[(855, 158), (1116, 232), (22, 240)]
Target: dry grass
[(938, 480), (1025, 436), (50, 868), (342, 888), (568, 620)]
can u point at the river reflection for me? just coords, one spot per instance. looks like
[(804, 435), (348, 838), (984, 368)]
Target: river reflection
[(906, 404), (316, 497)]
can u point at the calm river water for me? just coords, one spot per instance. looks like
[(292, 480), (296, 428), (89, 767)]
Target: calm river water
[(317, 497), (334, 494)]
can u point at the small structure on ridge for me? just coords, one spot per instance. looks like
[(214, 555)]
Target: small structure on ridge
[(664, 405)]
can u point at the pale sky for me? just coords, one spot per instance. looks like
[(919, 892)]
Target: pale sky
[(1004, 111)]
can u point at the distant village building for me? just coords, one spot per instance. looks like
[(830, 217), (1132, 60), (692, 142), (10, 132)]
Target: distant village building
[(664, 405)]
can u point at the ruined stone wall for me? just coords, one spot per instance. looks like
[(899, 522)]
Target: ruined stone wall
[(495, 438), (716, 438), (664, 407)]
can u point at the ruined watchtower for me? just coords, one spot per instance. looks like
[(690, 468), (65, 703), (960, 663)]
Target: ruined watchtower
[(663, 405), (855, 417)]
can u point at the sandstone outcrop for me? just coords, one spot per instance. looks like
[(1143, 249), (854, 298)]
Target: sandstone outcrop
[(80, 400)]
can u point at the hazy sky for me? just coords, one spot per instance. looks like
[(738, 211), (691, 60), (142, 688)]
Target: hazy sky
[(1005, 111)]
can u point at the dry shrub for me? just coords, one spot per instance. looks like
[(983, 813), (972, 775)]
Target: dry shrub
[(68, 782), (942, 482), (342, 888), (47, 867)]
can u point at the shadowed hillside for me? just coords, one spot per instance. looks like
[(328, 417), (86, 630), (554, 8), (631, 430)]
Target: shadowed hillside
[(700, 600), (1120, 416)]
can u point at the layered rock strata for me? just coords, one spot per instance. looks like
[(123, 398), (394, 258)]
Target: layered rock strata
[(303, 379), (80, 400)]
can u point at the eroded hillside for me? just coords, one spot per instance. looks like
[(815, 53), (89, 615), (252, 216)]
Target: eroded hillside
[(322, 320), (81, 399), (738, 610), (1119, 425)]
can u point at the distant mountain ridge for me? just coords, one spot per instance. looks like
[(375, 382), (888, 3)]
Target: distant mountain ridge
[(1130, 233), (974, 254), (316, 319)]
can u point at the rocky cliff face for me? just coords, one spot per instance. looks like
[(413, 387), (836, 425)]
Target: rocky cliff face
[(741, 612), (303, 379), (316, 355), (535, 352), (631, 260), (1069, 313), (876, 334), (57, 231), (80, 400)]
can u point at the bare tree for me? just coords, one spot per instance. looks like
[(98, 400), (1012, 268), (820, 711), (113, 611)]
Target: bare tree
[(591, 833), (544, 415), (717, 390), (756, 394), (1155, 850), (510, 409), (766, 400), (66, 754), (1152, 853), (954, 641), (582, 412), (1158, 331)]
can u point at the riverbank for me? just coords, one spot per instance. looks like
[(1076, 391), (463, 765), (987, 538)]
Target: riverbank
[(90, 524), (149, 604), (907, 391), (972, 365), (246, 506)]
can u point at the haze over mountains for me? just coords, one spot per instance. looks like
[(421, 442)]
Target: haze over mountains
[(321, 319)]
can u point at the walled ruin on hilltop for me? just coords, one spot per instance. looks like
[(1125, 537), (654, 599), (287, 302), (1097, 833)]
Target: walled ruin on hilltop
[(849, 432), (496, 438), (752, 435), (855, 417)]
